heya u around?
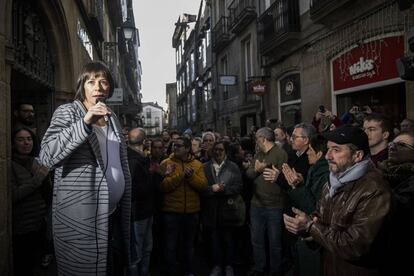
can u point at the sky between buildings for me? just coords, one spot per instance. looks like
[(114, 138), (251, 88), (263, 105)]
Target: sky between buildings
[(155, 20)]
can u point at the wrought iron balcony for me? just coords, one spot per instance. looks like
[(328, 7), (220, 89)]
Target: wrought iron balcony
[(96, 18), (221, 35), (242, 12), (319, 9), (279, 24)]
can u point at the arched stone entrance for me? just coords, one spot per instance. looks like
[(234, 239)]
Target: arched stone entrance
[(35, 64)]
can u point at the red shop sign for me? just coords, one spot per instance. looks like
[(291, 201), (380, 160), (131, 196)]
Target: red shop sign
[(368, 63), (259, 88)]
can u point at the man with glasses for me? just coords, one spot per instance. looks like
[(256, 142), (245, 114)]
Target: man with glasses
[(298, 159), (351, 215), (24, 114), (267, 204), (181, 204), (399, 171)]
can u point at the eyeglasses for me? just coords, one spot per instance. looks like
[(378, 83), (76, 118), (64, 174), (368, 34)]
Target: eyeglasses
[(178, 145), (294, 137), (219, 149), (400, 145)]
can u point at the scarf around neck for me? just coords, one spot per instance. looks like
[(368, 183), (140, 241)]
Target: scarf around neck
[(351, 174)]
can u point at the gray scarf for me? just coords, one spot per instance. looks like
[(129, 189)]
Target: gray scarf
[(351, 174)]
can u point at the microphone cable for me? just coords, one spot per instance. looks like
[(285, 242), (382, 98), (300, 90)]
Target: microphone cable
[(97, 202)]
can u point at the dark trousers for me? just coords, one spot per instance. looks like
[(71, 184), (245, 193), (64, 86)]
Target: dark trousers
[(115, 264), (222, 241), (26, 253), (178, 226)]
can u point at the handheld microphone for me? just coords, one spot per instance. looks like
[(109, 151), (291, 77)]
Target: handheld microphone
[(102, 100)]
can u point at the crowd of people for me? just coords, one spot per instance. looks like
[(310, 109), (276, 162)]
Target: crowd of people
[(330, 197)]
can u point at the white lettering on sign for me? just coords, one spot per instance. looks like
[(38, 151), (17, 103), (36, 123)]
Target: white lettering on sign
[(363, 65)]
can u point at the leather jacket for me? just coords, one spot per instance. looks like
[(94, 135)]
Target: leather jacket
[(351, 225)]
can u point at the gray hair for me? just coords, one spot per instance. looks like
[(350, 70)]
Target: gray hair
[(209, 133), (267, 133), (308, 130)]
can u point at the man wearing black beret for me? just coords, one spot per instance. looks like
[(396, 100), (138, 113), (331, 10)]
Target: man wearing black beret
[(349, 221)]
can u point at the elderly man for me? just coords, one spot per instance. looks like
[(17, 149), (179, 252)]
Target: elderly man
[(298, 159), (349, 219), (268, 203)]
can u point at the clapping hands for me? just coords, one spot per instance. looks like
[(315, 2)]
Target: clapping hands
[(188, 172), (165, 169), (218, 187), (271, 174), (292, 177)]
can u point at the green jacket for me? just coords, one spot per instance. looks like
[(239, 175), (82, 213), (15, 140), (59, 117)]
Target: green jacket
[(306, 196), (181, 194), (265, 193)]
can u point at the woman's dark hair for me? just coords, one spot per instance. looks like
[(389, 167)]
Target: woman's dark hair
[(187, 142), (318, 143), (225, 145), (247, 144), (92, 69), (35, 150), (234, 149)]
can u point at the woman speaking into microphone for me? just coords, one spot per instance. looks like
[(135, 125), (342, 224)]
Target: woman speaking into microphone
[(92, 188)]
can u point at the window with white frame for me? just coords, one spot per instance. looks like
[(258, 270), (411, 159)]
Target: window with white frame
[(192, 61), (193, 106), (205, 41), (248, 59), (188, 107), (187, 70)]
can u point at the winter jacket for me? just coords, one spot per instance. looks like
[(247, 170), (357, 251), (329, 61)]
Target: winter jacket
[(181, 193), (400, 238), (304, 197), (211, 201), (143, 188), (29, 205), (350, 226)]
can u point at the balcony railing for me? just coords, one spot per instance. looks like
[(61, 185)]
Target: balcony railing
[(96, 18), (242, 12), (319, 9), (279, 24), (221, 35)]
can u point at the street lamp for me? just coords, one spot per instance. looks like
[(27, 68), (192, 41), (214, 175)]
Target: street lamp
[(129, 31)]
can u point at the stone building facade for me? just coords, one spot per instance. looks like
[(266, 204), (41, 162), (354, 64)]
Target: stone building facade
[(337, 54), (152, 117), (282, 59), (43, 46), (171, 99)]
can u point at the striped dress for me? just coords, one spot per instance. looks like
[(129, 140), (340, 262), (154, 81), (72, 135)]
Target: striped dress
[(80, 195)]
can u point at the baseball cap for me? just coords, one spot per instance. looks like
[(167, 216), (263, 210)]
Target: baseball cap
[(348, 134)]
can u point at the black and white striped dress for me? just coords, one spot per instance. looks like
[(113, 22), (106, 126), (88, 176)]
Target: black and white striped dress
[(80, 196)]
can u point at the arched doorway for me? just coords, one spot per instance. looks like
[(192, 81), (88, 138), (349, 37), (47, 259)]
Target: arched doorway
[(32, 75), (42, 65)]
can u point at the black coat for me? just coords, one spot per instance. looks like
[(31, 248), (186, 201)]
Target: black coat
[(143, 188), (211, 201)]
